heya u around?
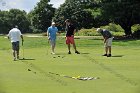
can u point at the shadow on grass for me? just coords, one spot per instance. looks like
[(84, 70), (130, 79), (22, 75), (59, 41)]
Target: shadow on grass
[(117, 56), (26, 59), (84, 53), (61, 54)]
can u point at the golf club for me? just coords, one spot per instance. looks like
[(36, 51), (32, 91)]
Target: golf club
[(23, 49), (48, 46)]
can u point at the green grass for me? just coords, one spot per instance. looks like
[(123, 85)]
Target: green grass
[(118, 74)]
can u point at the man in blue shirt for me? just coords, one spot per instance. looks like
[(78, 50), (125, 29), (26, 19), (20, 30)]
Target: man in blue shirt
[(51, 33)]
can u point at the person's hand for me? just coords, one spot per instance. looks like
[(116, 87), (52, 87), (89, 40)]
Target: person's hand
[(48, 38), (104, 41)]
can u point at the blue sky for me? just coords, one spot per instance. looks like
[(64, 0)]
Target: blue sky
[(26, 5)]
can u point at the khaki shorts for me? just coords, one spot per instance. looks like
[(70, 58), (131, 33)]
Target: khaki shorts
[(52, 42), (108, 42)]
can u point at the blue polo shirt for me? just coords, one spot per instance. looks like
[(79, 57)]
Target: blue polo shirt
[(52, 30)]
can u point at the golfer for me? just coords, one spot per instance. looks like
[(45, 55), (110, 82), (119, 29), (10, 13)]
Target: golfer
[(51, 33), (70, 31), (107, 40), (14, 35)]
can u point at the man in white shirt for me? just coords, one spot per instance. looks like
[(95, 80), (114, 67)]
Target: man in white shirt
[(14, 35)]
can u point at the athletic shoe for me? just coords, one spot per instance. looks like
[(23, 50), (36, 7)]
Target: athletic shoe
[(104, 55), (14, 59), (17, 57), (53, 53), (77, 52), (69, 52), (109, 55)]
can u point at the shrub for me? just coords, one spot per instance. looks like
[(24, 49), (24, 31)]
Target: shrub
[(116, 30), (87, 32), (34, 30), (136, 34), (113, 27), (135, 27)]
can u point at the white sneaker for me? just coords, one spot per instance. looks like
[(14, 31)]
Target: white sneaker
[(53, 53), (14, 59)]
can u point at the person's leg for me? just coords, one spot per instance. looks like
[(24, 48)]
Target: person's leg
[(14, 54), (52, 46), (17, 52), (109, 48), (68, 44), (106, 50), (109, 51), (17, 49), (69, 49), (14, 50), (74, 45)]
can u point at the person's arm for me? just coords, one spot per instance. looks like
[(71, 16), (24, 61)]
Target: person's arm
[(74, 31), (19, 32), (105, 38), (22, 38), (48, 35), (57, 31), (8, 36)]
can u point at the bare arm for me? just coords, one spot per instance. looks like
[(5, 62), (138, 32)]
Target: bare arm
[(22, 37), (48, 35), (105, 38), (74, 31)]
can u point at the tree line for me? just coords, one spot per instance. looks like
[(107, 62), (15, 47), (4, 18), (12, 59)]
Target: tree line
[(83, 13)]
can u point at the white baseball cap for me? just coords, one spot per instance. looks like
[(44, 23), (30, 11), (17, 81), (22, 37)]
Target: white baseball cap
[(53, 23), (99, 30)]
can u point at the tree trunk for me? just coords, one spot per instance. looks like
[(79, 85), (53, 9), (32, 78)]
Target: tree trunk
[(127, 30)]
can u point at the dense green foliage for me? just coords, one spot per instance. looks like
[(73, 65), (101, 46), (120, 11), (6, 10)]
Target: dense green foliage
[(41, 16), (76, 10), (85, 14), (8, 19), (123, 12)]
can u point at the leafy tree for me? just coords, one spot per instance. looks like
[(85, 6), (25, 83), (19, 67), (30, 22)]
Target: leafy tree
[(41, 16), (19, 18), (4, 22), (123, 12), (8, 19), (76, 10)]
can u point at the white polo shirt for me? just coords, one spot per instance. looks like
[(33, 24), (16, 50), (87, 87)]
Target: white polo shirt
[(14, 35)]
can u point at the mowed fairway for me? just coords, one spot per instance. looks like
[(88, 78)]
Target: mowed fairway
[(34, 74)]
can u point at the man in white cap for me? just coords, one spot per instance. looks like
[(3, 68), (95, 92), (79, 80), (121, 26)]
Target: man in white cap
[(14, 35), (51, 33), (107, 40)]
